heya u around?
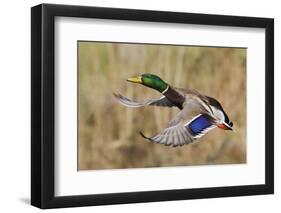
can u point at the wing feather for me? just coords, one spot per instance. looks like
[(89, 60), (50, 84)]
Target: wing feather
[(175, 136), (162, 102), (180, 134)]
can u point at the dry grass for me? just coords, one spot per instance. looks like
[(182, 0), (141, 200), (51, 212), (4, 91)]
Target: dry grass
[(108, 131)]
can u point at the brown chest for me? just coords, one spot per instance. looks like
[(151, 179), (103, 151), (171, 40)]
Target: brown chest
[(175, 97)]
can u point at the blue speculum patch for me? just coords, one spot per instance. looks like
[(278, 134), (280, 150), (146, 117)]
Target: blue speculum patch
[(199, 124)]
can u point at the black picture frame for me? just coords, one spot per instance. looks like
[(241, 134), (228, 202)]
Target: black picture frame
[(43, 102)]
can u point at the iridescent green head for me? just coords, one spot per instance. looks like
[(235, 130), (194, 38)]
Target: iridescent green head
[(150, 80)]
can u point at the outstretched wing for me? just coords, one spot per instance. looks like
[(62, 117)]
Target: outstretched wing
[(191, 123), (184, 132), (163, 102)]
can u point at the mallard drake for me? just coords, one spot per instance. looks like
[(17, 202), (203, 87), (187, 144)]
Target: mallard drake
[(198, 113)]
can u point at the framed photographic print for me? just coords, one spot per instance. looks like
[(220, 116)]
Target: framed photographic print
[(140, 106)]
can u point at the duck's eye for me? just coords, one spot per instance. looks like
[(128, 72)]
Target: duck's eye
[(231, 124)]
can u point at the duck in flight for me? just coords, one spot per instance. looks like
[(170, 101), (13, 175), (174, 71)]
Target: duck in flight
[(198, 113)]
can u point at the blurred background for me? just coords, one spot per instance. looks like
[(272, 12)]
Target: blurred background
[(108, 133)]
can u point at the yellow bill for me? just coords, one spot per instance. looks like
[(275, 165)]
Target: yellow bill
[(136, 79)]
